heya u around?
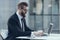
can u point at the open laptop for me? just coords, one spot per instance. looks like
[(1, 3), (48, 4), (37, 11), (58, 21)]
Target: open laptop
[(49, 31)]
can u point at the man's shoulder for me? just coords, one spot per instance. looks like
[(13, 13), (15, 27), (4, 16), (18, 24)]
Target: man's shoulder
[(13, 16)]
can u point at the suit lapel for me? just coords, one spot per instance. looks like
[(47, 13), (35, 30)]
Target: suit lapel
[(17, 19)]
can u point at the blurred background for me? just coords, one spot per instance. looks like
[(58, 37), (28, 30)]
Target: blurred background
[(40, 14)]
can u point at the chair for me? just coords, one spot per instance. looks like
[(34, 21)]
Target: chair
[(3, 33)]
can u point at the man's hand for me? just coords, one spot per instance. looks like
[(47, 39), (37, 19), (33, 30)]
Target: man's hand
[(38, 33)]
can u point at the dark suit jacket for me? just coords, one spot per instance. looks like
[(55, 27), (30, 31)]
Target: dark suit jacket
[(14, 28)]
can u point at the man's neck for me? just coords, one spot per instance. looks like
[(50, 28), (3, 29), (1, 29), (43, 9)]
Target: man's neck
[(18, 14), (22, 15)]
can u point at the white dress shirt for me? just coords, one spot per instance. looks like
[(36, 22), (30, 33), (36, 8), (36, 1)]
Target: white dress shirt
[(20, 17)]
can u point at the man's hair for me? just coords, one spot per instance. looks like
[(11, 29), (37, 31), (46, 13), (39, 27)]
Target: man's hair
[(22, 4)]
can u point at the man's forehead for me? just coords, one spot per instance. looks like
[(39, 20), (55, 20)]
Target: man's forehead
[(25, 6)]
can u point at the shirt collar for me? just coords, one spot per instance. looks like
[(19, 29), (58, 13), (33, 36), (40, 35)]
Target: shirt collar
[(19, 16)]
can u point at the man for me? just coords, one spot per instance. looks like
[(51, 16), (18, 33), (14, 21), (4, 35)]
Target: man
[(17, 23)]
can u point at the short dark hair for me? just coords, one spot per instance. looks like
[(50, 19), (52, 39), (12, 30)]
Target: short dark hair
[(22, 3)]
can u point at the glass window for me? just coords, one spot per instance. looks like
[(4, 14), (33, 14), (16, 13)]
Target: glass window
[(45, 12)]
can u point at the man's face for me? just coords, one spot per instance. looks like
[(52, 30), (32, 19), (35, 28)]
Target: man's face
[(23, 10)]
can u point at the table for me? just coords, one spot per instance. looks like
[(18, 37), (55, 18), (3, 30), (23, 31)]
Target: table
[(49, 37)]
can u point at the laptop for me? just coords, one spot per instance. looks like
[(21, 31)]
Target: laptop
[(49, 31)]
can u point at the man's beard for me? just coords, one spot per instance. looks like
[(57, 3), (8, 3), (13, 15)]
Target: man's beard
[(22, 14)]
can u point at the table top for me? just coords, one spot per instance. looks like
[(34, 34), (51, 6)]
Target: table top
[(49, 37)]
